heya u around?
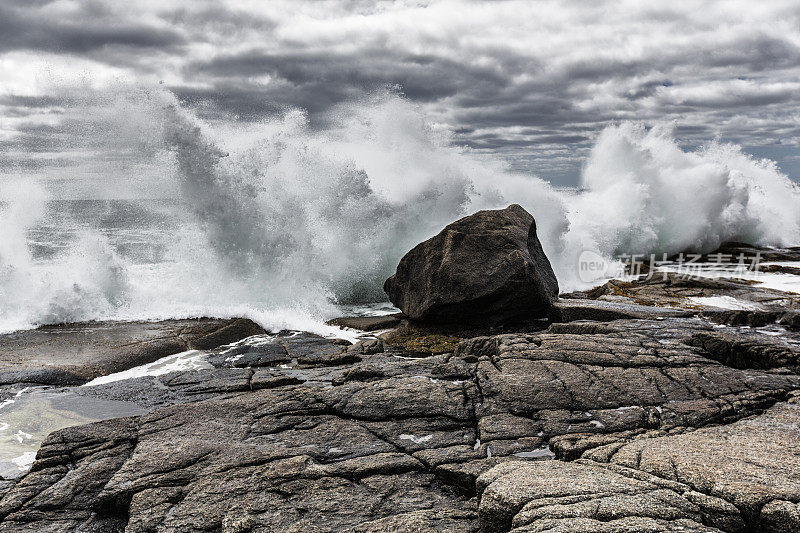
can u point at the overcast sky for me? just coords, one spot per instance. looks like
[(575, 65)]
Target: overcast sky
[(532, 81)]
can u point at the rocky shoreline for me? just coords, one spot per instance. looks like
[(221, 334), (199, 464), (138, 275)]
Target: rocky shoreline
[(631, 407)]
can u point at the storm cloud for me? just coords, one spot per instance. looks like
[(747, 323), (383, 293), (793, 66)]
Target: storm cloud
[(532, 82)]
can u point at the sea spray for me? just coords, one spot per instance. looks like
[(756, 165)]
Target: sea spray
[(23, 205), (329, 215), (86, 282), (643, 194), (281, 221)]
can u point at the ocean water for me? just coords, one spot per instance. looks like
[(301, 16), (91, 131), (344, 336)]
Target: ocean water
[(290, 224)]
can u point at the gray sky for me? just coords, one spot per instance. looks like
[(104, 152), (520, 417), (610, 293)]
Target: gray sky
[(534, 82)]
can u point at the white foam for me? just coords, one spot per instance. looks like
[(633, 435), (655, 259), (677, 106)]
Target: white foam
[(778, 281), (24, 461), (184, 361), (21, 436), (724, 302), (13, 400), (415, 439)]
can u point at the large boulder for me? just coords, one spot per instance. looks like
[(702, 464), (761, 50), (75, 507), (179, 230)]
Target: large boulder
[(488, 267)]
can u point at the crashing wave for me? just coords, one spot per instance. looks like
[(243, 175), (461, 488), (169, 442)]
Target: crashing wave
[(286, 221)]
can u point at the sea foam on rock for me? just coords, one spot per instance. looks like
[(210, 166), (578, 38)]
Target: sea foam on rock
[(487, 267)]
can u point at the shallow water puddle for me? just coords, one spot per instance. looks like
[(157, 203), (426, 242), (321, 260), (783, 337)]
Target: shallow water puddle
[(28, 416), (26, 420)]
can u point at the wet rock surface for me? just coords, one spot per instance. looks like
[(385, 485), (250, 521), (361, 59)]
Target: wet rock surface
[(741, 349), (624, 425), (569, 310), (72, 354), (668, 289), (368, 323)]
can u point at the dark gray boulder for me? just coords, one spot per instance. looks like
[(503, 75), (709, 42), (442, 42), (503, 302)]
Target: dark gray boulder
[(488, 267)]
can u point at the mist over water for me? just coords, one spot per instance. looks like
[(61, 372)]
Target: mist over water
[(281, 223)]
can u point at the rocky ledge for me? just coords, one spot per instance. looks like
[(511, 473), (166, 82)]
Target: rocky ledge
[(72, 354), (617, 414), (626, 425)]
